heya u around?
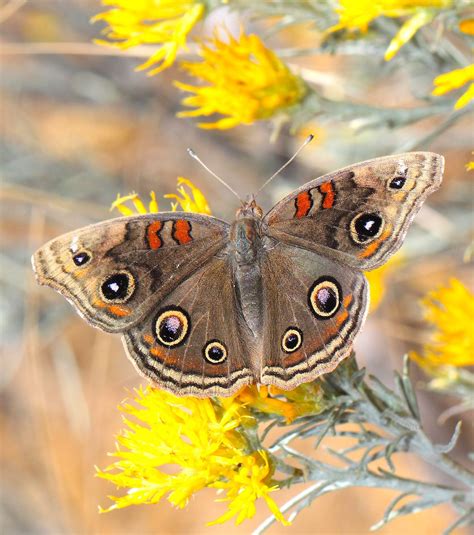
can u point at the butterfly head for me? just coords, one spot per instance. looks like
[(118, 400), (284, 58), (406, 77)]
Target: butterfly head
[(249, 208)]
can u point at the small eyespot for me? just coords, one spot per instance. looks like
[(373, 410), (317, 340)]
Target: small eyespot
[(397, 182), (291, 339), (172, 326), (324, 297), (215, 352), (366, 227), (81, 259), (118, 288)]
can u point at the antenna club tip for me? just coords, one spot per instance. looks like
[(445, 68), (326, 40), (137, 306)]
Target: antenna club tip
[(309, 139)]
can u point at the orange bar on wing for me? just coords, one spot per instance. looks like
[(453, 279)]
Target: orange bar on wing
[(182, 231), (153, 235), (303, 203), (328, 194)]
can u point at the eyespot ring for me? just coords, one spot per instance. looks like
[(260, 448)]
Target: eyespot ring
[(324, 297), (292, 339), (172, 326), (215, 352), (117, 287), (366, 227), (82, 257)]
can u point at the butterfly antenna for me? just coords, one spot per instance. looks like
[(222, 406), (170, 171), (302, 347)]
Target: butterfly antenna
[(306, 141), (196, 157)]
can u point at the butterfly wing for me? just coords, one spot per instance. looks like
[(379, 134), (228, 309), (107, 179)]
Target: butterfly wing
[(358, 215), (116, 271), (314, 308), (195, 342)]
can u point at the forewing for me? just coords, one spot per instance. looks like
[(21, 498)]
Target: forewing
[(359, 214), (116, 271)]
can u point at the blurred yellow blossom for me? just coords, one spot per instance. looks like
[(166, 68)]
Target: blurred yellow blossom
[(467, 26), (192, 201), (245, 82), (378, 278), (200, 440), (454, 80), (356, 15), (153, 22), (450, 310)]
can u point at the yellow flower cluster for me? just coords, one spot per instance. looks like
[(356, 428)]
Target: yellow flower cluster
[(189, 201), (200, 440), (163, 22), (245, 82), (452, 80), (450, 310), (357, 15)]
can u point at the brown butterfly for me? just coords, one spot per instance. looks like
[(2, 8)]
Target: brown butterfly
[(206, 307)]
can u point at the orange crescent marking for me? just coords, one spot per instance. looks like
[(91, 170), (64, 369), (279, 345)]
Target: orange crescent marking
[(153, 235), (117, 310), (372, 248), (347, 300), (339, 319), (160, 355), (182, 231), (148, 339), (304, 202), (328, 191)]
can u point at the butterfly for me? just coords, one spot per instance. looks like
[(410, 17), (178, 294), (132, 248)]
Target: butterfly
[(206, 307)]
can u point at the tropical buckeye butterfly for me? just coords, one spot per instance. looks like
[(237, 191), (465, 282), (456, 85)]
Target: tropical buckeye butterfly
[(206, 307)]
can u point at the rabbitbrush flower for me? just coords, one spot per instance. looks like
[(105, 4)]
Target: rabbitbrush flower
[(356, 15), (450, 310), (166, 23), (244, 81), (449, 81), (201, 441)]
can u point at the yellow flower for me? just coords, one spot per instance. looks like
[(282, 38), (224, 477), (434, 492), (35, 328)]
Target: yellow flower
[(193, 201), (467, 26), (377, 280), (196, 202), (454, 80), (163, 22), (245, 82), (200, 440), (358, 14), (451, 311), (303, 400), (251, 481)]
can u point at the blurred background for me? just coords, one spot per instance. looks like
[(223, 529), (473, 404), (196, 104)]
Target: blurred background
[(79, 126)]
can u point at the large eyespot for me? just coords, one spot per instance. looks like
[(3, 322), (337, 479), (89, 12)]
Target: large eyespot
[(215, 352), (324, 297), (397, 182), (366, 227), (292, 339), (82, 258), (118, 288), (172, 326)]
